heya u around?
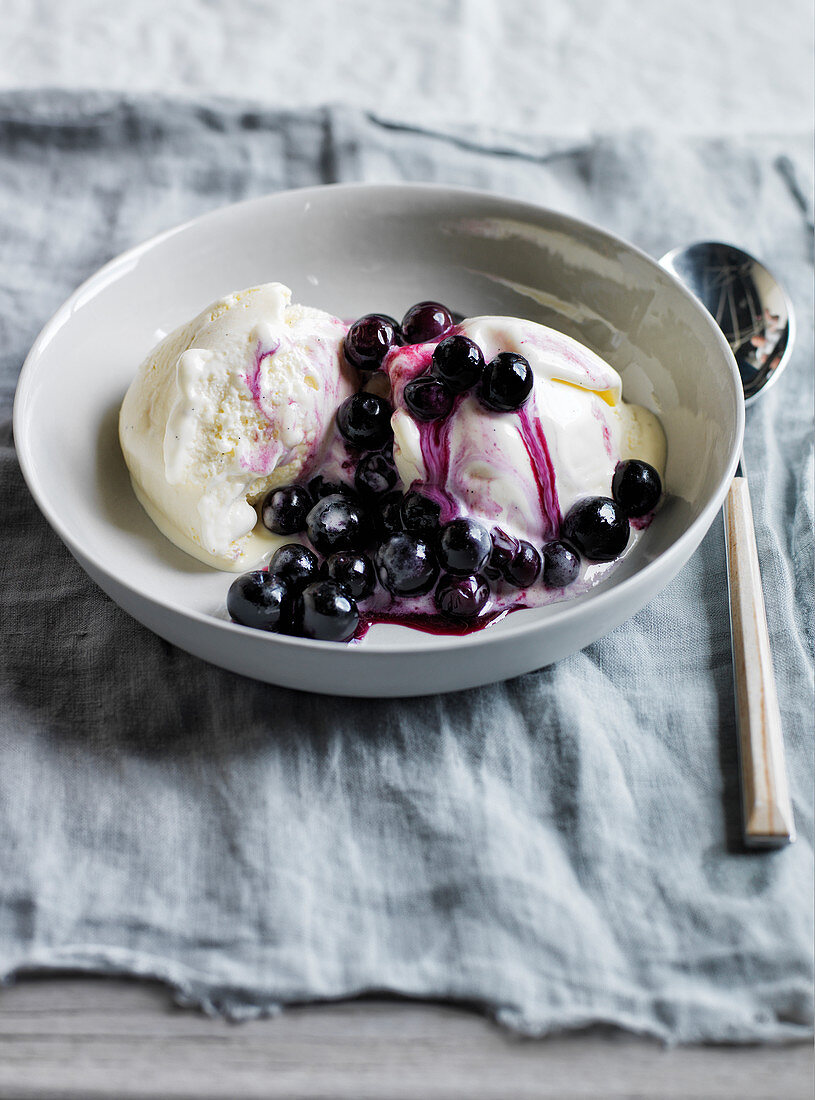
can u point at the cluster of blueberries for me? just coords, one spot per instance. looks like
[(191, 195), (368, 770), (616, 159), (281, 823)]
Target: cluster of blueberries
[(371, 533), (503, 385)]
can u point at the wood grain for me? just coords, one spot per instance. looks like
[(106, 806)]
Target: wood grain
[(768, 818), (101, 1039)]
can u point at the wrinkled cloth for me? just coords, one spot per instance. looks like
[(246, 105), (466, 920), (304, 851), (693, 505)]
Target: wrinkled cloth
[(561, 849)]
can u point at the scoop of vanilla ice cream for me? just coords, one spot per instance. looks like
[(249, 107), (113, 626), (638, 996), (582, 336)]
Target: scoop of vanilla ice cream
[(522, 471), (240, 400)]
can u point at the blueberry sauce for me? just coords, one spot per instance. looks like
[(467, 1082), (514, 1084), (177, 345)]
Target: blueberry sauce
[(265, 454), (430, 622), (253, 378), (542, 470)]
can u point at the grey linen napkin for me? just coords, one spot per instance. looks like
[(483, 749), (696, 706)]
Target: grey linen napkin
[(560, 849)]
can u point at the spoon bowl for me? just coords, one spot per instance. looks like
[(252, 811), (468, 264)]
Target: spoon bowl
[(747, 302)]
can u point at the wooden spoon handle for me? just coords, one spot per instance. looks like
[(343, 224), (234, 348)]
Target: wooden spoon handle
[(768, 819)]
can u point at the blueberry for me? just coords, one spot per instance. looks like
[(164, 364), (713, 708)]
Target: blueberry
[(506, 383), (426, 321), (428, 399), (459, 363), (326, 611), (374, 475), (389, 517), (284, 510), (364, 420), (504, 549), (523, 569), (406, 564), (294, 564), (370, 339), (319, 488), (597, 527), (337, 523), (463, 546), (462, 598), (561, 565), (355, 572), (420, 514), (261, 600), (636, 487)]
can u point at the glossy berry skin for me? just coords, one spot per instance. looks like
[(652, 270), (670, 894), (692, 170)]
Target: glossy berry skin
[(284, 510), (504, 549), (260, 600), (294, 564), (561, 565), (319, 488), (506, 383), (355, 572), (459, 362), (337, 523), (389, 515), (636, 487), (428, 399), (420, 514), (522, 571), (364, 421), (461, 599), (406, 565), (326, 611), (426, 321), (463, 547), (597, 527), (374, 475), (370, 339)]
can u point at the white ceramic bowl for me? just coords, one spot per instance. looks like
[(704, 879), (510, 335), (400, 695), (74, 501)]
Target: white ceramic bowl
[(351, 250)]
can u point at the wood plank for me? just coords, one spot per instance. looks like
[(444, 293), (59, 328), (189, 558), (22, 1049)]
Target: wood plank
[(103, 1038)]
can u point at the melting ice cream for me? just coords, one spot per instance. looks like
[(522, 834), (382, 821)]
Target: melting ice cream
[(243, 400), (238, 401), (522, 471)]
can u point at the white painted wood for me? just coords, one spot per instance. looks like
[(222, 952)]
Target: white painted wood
[(768, 817), (100, 1039)]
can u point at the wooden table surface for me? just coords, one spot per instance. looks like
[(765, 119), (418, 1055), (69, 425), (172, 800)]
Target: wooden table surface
[(89, 1037)]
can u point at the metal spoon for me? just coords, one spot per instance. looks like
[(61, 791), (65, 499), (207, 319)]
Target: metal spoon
[(756, 317)]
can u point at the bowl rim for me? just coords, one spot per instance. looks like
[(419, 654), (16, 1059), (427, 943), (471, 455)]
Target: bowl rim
[(563, 612)]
